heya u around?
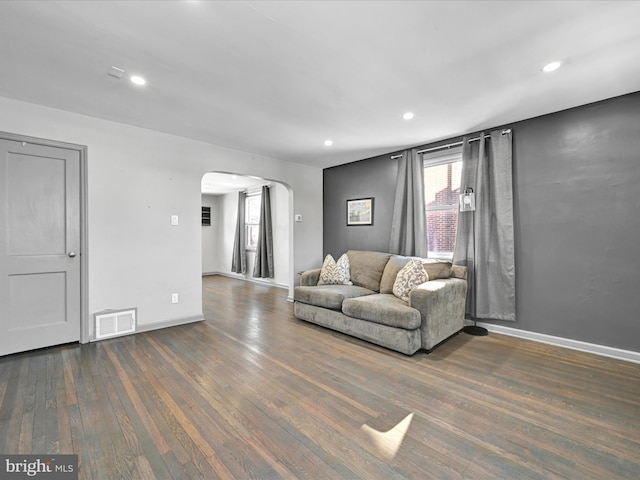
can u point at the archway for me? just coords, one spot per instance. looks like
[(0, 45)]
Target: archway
[(219, 192)]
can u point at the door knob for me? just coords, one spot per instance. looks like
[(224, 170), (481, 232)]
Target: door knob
[(72, 254)]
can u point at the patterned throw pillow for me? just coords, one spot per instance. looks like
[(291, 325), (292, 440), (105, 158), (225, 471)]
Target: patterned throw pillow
[(409, 277), (335, 273)]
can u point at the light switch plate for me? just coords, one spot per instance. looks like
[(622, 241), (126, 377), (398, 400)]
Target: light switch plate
[(174, 219)]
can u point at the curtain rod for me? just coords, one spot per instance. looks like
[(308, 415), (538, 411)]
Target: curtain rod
[(256, 190), (451, 145)]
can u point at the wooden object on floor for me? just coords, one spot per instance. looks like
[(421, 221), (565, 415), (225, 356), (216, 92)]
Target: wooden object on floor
[(254, 393)]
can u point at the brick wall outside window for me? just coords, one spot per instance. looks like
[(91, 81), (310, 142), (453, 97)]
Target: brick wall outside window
[(441, 230), (442, 188)]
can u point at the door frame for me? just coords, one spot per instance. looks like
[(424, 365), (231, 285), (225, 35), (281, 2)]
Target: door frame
[(84, 257)]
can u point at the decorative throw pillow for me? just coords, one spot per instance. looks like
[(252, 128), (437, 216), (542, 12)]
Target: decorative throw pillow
[(409, 277), (335, 273)]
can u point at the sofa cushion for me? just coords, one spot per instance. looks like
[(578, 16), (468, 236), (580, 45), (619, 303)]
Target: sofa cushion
[(394, 265), (383, 308), (328, 296), (367, 268), (409, 277), (310, 277), (335, 273), (458, 271), (437, 268)]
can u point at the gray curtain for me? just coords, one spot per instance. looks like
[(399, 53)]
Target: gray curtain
[(408, 224), (484, 240), (263, 266), (239, 260)]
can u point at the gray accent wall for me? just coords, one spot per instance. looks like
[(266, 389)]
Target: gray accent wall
[(577, 220), (375, 177)]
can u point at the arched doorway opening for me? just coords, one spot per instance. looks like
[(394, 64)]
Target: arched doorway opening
[(220, 196)]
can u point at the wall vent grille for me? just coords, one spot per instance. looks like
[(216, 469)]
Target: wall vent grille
[(111, 323)]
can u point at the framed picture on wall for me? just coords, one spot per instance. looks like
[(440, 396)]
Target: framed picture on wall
[(360, 211)]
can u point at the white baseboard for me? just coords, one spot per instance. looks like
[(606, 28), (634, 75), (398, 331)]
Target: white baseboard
[(617, 353), (239, 276), (169, 323)]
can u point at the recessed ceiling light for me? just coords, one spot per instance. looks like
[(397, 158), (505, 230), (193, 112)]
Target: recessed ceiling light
[(550, 67), (138, 80), (328, 143), (407, 116)]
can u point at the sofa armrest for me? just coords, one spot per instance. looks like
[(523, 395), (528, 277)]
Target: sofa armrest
[(310, 278), (441, 304)]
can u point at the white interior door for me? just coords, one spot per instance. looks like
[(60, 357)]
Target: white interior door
[(39, 246)]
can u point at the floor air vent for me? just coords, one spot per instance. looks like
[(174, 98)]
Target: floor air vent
[(112, 323)]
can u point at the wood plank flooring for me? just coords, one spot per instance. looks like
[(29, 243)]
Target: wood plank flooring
[(253, 392)]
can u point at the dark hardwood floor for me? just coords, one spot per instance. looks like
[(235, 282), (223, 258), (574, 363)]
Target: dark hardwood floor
[(253, 392)]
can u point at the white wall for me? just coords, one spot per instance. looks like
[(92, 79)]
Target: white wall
[(137, 179), (229, 210), (210, 234), (281, 223)]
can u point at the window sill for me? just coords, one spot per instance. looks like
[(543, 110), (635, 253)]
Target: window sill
[(441, 256)]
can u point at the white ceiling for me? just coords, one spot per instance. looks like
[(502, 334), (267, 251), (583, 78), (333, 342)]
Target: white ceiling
[(278, 78), (214, 183)]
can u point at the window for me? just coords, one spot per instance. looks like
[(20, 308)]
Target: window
[(442, 171), (252, 219)]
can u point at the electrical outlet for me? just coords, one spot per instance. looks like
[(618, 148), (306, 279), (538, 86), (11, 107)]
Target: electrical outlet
[(174, 298), (174, 220)]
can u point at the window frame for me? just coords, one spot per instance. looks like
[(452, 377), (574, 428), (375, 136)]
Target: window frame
[(247, 224), (435, 159)]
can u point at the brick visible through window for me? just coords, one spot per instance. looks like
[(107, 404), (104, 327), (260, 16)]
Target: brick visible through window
[(441, 192)]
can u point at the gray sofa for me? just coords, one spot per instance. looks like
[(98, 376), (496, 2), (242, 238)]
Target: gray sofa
[(368, 309)]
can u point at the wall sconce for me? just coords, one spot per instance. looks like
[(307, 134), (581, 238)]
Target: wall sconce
[(468, 200)]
